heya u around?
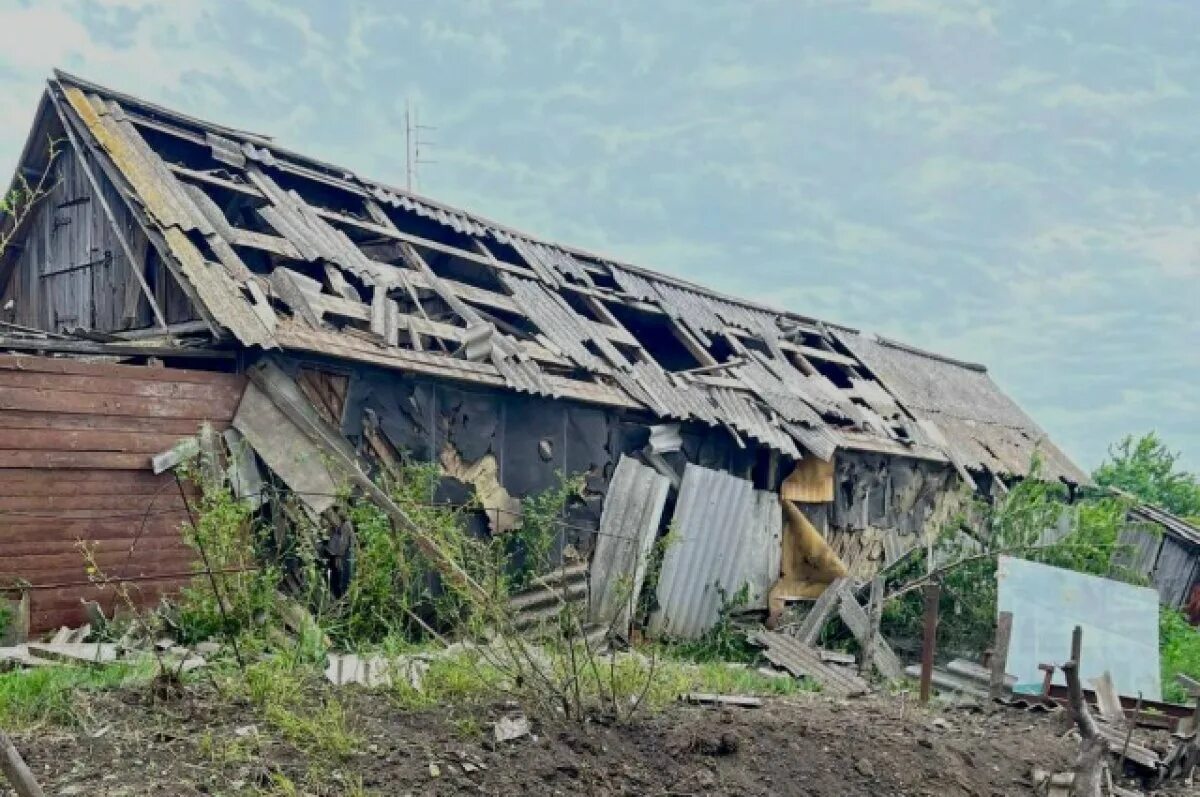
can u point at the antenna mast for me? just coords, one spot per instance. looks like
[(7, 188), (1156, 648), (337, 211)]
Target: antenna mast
[(413, 143)]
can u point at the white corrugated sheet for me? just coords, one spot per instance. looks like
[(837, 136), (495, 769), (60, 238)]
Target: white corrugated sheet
[(633, 508), (727, 535)]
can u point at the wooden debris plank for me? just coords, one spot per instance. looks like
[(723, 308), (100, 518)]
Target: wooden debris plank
[(810, 628), (1108, 700), (856, 620), (707, 699), (997, 678)]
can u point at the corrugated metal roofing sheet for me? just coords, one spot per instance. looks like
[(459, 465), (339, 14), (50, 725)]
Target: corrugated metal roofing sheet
[(729, 536), (742, 413), (783, 389), (804, 661), (1171, 524), (316, 239), (633, 508), (551, 259), (566, 329), (633, 284)]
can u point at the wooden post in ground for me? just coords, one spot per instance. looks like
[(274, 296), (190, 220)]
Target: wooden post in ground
[(1089, 766), (15, 771), (933, 594), (998, 688)]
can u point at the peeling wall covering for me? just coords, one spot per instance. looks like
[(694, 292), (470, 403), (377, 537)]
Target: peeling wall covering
[(883, 507)]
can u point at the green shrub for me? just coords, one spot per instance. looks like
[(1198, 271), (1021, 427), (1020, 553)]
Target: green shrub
[(1179, 650)]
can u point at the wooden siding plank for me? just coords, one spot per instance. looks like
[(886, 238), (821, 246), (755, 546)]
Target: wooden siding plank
[(121, 386), (72, 459), (63, 365), (17, 398), (28, 419), (67, 440)]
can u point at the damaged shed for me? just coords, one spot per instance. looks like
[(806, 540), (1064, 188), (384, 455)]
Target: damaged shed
[(405, 328)]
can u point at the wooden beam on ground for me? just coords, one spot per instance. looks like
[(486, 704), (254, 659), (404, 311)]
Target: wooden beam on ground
[(810, 628), (15, 770), (882, 656)]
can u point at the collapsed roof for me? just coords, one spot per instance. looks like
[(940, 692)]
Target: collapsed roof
[(277, 250)]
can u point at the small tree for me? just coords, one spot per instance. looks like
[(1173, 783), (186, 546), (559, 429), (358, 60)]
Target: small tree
[(1148, 469)]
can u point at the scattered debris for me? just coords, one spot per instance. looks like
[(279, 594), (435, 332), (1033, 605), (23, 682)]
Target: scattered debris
[(375, 671), (509, 728), (706, 699), (804, 661), (94, 653)]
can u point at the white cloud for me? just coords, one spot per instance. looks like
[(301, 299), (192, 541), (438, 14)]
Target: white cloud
[(941, 13), (913, 88)]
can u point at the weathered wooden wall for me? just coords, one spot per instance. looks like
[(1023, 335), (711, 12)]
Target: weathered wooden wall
[(75, 445), (73, 272)]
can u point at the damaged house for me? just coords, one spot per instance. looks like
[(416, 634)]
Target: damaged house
[(180, 273)]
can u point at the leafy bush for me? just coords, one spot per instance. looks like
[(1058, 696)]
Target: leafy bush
[(1148, 469), (225, 537), (965, 556), (1179, 649)]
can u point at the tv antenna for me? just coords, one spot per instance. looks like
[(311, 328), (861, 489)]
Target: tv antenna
[(414, 144)]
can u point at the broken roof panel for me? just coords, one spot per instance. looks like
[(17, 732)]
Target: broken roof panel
[(985, 429), (300, 213)]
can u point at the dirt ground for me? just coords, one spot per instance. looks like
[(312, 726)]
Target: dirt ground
[(798, 745)]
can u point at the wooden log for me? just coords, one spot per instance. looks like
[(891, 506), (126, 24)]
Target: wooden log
[(16, 771)]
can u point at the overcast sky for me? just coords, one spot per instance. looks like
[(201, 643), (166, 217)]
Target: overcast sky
[(1011, 183)]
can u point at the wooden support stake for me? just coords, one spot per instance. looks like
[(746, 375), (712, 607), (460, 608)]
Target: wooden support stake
[(933, 595), (16, 772), (874, 615), (1089, 766), (998, 688)]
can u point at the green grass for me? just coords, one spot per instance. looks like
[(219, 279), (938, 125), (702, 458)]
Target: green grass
[(58, 695), (1179, 652)]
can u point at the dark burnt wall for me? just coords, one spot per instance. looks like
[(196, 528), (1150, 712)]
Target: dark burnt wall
[(535, 441)]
